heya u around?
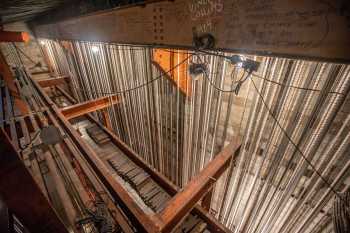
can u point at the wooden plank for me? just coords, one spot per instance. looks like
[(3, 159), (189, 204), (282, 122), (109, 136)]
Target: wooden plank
[(139, 218), (213, 224), (49, 82), (89, 106), (183, 202), (21, 193), (309, 29)]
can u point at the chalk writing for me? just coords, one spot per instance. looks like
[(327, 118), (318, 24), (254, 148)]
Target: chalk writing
[(200, 9)]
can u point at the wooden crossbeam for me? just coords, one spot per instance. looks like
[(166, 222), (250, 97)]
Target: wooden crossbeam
[(49, 82), (22, 195), (89, 106), (183, 202)]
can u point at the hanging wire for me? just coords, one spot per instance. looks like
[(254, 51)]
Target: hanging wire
[(296, 146), (139, 86)]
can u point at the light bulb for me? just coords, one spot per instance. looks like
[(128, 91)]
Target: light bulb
[(95, 49)]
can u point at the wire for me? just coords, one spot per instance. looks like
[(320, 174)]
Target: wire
[(294, 144), (36, 64), (25, 55), (140, 86), (296, 87), (31, 141), (238, 83)]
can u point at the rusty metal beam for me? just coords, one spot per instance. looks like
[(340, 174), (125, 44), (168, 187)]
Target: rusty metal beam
[(89, 106), (141, 220), (21, 193), (213, 224), (183, 202), (309, 29), (49, 82)]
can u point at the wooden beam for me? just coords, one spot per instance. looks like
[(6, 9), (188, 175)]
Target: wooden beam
[(309, 29), (21, 193), (49, 82), (183, 202), (89, 106)]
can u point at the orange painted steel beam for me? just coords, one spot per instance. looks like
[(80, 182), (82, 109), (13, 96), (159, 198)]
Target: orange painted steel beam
[(183, 202), (166, 60), (8, 36), (6, 74), (49, 82), (89, 106)]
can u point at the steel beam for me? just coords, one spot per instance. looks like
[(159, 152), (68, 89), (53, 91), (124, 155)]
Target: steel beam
[(183, 202), (22, 195), (89, 106), (141, 220), (213, 224), (49, 82), (10, 36), (309, 29), (166, 60)]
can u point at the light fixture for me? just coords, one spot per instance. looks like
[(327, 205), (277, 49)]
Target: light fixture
[(42, 42), (95, 49)]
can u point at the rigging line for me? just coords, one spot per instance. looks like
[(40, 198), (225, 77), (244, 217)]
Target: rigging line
[(140, 86), (296, 87), (296, 146), (25, 55)]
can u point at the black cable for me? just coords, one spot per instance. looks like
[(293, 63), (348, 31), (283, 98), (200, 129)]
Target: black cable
[(294, 144), (30, 142), (140, 86), (238, 83), (296, 87)]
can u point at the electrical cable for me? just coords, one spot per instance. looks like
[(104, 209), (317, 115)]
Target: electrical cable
[(238, 83), (296, 87), (295, 145), (139, 86), (30, 142)]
